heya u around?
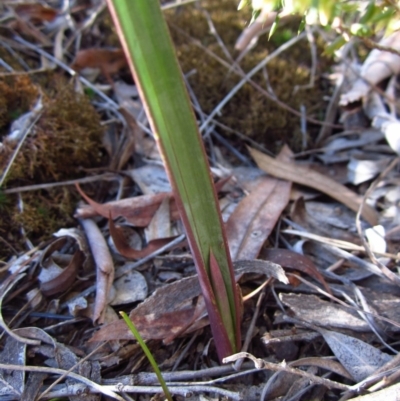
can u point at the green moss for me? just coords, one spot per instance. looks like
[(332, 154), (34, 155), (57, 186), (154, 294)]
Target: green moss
[(65, 140), (248, 111)]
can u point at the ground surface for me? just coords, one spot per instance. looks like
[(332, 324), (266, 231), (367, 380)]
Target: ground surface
[(73, 150)]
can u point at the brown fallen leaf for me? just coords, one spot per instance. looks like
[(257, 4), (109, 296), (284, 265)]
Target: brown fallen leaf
[(104, 267), (125, 250), (296, 261), (137, 211), (304, 176), (66, 278), (108, 61), (57, 276), (35, 12), (173, 310), (252, 221)]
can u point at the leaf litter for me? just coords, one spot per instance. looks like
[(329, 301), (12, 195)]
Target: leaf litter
[(330, 331)]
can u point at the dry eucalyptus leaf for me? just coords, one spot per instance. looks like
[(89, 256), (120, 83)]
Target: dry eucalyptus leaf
[(12, 383), (160, 224), (137, 211), (254, 218), (151, 179), (312, 309), (296, 261), (310, 178), (358, 358), (173, 308), (123, 247)]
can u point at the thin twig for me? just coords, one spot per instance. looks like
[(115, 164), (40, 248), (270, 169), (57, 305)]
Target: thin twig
[(283, 367), (99, 388)]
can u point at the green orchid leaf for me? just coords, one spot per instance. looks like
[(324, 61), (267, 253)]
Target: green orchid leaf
[(150, 53)]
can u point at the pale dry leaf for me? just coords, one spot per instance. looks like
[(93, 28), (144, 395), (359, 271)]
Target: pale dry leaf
[(151, 179), (12, 383), (378, 66), (304, 176), (254, 218), (160, 224), (131, 287), (390, 393), (324, 363), (361, 169), (366, 137), (312, 309), (358, 358), (104, 266)]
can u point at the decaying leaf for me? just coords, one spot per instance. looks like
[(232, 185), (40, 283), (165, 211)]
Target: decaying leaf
[(304, 176), (332, 220), (137, 211), (172, 309), (160, 224)]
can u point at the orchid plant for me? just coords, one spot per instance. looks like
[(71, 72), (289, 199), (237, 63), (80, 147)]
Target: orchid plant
[(146, 41)]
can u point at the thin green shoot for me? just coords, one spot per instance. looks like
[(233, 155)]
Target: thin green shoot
[(148, 354)]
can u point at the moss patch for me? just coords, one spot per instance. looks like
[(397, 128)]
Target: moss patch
[(248, 111), (65, 140)]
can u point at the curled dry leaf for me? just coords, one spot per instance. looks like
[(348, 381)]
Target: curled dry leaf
[(137, 211), (132, 287), (121, 243), (254, 218), (304, 176), (104, 267), (55, 279), (296, 261)]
